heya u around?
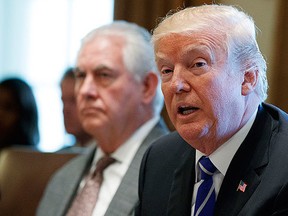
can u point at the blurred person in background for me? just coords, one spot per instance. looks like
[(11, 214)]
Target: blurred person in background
[(72, 123), (18, 114)]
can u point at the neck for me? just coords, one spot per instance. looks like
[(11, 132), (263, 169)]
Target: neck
[(84, 139), (112, 140), (208, 145)]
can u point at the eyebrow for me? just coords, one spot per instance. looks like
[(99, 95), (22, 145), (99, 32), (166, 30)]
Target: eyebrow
[(101, 67), (188, 49), (159, 56), (97, 68), (197, 48)]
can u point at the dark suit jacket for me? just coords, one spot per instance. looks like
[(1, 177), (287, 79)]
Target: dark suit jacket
[(167, 173), (62, 188)]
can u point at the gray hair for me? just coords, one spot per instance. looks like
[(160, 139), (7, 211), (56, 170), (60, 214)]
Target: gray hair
[(237, 28), (138, 54)]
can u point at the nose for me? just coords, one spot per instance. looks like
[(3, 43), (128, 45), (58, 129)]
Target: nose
[(88, 87), (179, 83)]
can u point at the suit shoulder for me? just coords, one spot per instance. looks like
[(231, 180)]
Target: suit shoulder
[(280, 120), (276, 113), (171, 143)]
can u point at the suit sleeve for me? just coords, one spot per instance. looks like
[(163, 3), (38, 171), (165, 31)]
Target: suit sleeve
[(138, 208), (281, 207)]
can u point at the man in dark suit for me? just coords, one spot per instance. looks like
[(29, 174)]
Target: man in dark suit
[(119, 102), (228, 154)]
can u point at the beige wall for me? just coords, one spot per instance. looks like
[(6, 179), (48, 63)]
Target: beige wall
[(265, 16)]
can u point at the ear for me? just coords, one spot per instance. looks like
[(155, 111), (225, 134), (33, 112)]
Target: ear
[(250, 81), (150, 83)]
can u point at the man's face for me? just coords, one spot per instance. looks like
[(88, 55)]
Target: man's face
[(202, 97), (71, 120), (108, 96)]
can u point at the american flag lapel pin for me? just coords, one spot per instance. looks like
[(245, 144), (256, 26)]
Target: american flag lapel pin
[(242, 186)]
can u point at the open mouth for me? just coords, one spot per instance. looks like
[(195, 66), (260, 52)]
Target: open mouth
[(186, 110)]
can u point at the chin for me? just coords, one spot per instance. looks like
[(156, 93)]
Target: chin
[(190, 133), (91, 126)]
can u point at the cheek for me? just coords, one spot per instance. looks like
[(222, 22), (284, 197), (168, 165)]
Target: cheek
[(220, 103), (213, 102), (166, 92), (115, 103), (215, 90), (167, 95), (79, 101)]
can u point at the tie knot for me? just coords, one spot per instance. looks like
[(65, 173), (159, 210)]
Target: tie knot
[(206, 167), (103, 163)]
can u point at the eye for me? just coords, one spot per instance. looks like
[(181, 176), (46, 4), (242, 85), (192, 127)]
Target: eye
[(105, 78), (199, 63), (79, 74), (166, 70), (104, 75)]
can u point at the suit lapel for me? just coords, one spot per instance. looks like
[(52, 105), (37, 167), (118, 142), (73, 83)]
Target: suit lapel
[(125, 199), (247, 166), (76, 171), (182, 186)]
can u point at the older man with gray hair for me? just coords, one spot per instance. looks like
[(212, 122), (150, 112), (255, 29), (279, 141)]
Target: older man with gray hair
[(228, 154), (119, 102)]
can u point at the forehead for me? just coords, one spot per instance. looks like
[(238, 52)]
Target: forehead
[(102, 45), (176, 43), (105, 53)]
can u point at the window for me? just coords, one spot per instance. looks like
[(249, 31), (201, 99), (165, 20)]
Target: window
[(39, 39)]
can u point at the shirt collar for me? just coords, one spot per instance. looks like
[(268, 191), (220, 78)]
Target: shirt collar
[(222, 157), (126, 152)]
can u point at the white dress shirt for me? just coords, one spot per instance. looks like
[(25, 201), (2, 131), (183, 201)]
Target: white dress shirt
[(114, 173), (221, 158)]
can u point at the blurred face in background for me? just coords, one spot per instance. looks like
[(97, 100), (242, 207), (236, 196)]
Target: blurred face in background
[(71, 120), (9, 114)]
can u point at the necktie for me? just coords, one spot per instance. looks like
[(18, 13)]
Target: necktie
[(205, 199), (85, 201)]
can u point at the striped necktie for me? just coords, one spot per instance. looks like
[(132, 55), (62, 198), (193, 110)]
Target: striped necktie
[(206, 197), (85, 201)]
